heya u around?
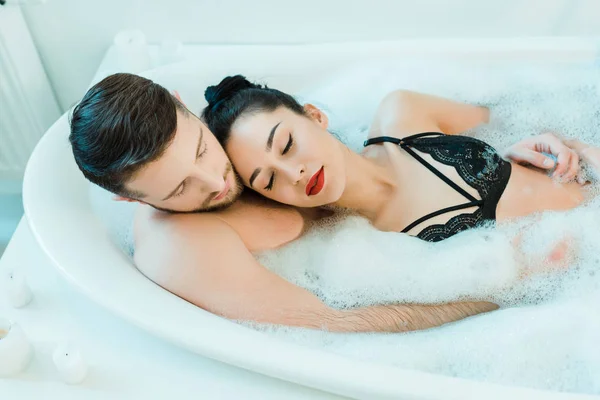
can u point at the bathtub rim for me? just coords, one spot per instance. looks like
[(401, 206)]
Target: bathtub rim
[(351, 377)]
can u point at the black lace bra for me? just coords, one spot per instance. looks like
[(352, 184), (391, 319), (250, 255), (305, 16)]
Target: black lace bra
[(477, 163)]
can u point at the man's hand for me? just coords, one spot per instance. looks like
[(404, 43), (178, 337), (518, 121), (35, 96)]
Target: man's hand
[(529, 151)]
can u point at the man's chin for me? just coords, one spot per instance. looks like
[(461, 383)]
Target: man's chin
[(225, 203), (231, 198)]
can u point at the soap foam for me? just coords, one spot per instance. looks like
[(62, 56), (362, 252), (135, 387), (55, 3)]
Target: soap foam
[(546, 333)]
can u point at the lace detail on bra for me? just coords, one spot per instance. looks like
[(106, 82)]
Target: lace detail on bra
[(456, 224), (476, 162)]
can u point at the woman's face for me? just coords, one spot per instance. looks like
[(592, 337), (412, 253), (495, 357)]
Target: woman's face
[(287, 157)]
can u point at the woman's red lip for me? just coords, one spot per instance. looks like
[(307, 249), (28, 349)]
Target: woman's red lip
[(316, 183)]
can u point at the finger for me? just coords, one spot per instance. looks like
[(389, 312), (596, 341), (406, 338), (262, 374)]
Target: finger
[(527, 156), (564, 155), (573, 169), (542, 161), (177, 96), (562, 164)]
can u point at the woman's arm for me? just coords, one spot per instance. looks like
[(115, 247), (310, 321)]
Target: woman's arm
[(205, 262), (402, 113)]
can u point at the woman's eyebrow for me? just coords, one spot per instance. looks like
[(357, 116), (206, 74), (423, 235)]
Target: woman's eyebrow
[(270, 139), (254, 175), (269, 147)]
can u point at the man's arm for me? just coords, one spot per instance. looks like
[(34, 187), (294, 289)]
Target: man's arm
[(204, 261), (402, 113)]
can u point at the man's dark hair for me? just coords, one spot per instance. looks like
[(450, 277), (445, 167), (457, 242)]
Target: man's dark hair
[(122, 123)]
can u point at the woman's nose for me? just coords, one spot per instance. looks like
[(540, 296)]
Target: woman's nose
[(295, 173)]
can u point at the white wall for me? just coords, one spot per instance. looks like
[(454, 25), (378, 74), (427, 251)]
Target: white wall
[(72, 35), (27, 104)]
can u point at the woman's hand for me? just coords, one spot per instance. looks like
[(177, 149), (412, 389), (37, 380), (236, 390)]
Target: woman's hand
[(529, 151)]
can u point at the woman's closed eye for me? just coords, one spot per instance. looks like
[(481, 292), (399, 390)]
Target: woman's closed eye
[(288, 146), (286, 149), (271, 181)]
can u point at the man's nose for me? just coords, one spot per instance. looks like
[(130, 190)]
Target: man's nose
[(212, 181)]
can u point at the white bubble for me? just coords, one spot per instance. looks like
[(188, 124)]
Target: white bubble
[(546, 333)]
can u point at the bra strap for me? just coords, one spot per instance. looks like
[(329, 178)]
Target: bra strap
[(395, 140), (443, 177), (442, 211)]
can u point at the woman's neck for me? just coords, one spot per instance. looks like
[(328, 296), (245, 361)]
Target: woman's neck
[(368, 185)]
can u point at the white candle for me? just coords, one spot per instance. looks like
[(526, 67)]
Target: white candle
[(19, 294), (70, 364), (15, 349)]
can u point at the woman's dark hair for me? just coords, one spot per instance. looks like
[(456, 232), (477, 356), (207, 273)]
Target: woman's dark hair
[(235, 96), (122, 123)]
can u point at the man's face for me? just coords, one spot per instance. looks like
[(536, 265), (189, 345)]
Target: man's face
[(193, 174)]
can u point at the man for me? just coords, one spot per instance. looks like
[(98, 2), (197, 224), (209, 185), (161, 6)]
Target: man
[(194, 231)]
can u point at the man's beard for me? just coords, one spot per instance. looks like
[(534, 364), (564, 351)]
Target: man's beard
[(234, 193)]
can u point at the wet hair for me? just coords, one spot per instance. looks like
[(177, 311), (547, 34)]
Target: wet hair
[(122, 123), (234, 97)]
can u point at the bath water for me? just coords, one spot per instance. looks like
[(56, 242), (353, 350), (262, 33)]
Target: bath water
[(545, 335)]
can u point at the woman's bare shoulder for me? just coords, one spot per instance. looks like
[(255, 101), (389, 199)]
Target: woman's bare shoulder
[(401, 113)]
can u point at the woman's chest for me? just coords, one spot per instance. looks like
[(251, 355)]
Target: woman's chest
[(422, 190)]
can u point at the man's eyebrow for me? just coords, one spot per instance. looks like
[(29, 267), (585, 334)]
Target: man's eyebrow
[(199, 142), (270, 139), (254, 175)]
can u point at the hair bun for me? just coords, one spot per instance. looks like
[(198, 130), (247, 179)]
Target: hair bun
[(227, 88)]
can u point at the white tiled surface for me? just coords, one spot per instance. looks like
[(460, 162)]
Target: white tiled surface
[(125, 362)]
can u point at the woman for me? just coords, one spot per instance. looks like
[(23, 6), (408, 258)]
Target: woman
[(416, 175)]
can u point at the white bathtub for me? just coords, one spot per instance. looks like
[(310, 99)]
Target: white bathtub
[(60, 215)]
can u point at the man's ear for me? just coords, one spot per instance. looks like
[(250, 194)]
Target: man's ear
[(127, 199), (316, 115), (178, 97)]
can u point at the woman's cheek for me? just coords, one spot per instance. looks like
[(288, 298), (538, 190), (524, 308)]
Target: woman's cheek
[(289, 197)]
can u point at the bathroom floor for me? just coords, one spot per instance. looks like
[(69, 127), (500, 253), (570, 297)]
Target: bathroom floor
[(11, 211)]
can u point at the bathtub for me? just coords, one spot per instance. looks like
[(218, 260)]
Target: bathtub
[(59, 212)]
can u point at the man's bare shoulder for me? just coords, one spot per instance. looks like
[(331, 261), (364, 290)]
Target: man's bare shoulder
[(153, 226), (260, 223), (160, 237), (252, 224)]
